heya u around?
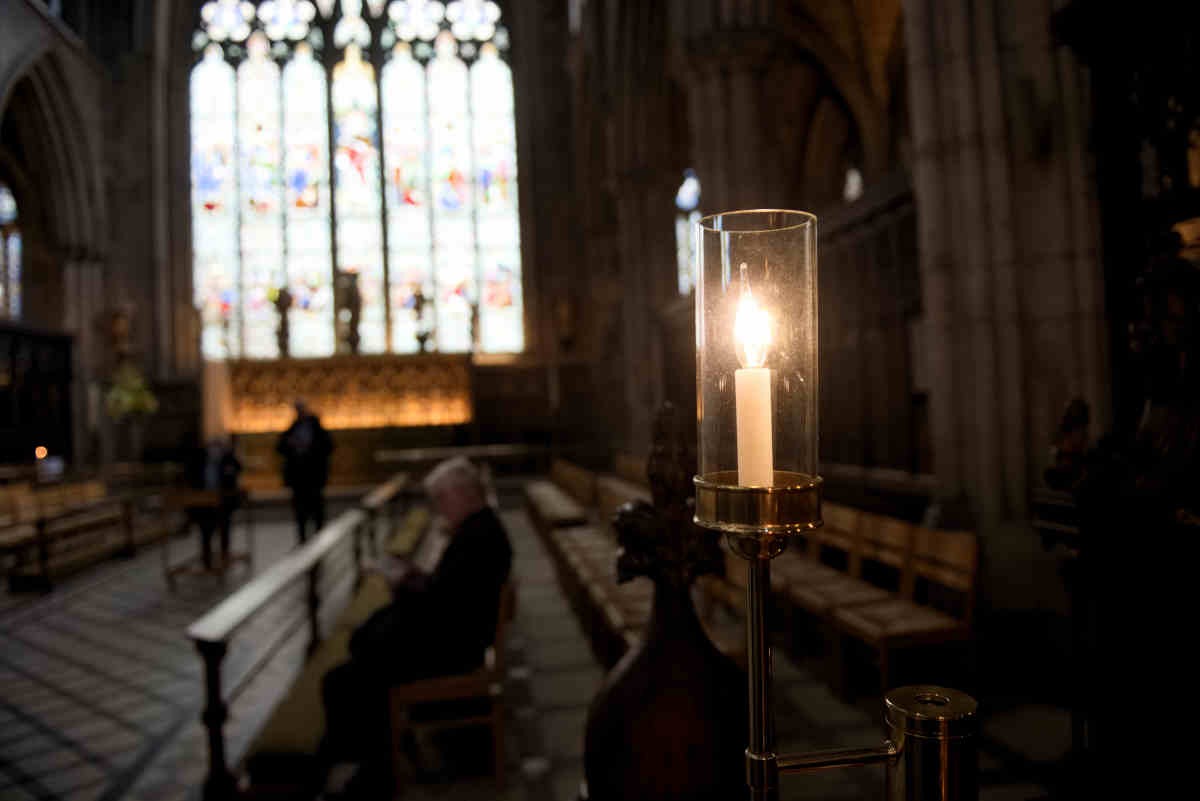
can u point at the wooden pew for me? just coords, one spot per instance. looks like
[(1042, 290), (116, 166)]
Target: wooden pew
[(854, 536), (867, 577), (47, 532), (584, 549), (213, 632), (935, 605), (561, 500)]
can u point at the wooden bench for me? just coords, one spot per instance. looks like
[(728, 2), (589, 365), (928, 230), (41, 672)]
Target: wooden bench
[(51, 531), (612, 615), (310, 567), (572, 511), (935, 604), (630, 467), (584, 550), (613, 492), (885, 582), (562, 500), (516, 454)]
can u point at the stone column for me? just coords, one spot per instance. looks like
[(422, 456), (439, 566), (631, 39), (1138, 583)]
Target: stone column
[(646, 245), (83, 300), (1009, 279), (722, 74)]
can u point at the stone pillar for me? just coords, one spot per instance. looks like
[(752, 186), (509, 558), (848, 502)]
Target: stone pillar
[(723, 75), (646, 248), (1014, 326), (83, 300)]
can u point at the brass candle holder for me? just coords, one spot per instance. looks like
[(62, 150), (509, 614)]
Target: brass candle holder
[(756, 334)]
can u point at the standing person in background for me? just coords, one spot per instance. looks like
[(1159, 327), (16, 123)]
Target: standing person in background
[(305, 448), (214, 469)]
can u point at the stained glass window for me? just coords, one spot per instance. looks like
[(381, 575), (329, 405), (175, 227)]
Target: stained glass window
[(356, 159), (10, 256), (261, 197), (687, 214), (366, 139), (453, 200), (495, 165), (407, 182), (215, 240), (309, 258)]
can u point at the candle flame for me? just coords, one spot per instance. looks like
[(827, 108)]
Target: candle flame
[(751, 328)]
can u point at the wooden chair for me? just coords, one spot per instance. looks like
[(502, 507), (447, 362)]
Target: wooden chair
[(846, 533), (887, 543), (485, 683), (943, 563), (801, 564)]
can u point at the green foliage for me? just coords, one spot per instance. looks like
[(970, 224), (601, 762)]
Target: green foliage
[(129, 395)]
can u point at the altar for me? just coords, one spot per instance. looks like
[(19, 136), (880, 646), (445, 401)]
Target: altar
[(249, 396)]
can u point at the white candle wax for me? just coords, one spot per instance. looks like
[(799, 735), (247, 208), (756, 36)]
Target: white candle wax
[(755, 447)]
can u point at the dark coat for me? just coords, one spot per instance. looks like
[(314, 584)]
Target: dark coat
[(228, 470), (305, 467), (444, 624)]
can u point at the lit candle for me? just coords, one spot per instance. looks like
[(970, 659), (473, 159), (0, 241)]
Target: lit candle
[(752, 388)]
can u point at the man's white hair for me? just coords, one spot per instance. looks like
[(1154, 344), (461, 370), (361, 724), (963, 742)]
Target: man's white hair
[(456, 473)]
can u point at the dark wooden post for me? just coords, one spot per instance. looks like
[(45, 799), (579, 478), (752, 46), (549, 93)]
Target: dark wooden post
[(393, 512), (219, 784), (127, 526), (314, 607), (249, 504), (366, 529), (43, 549)]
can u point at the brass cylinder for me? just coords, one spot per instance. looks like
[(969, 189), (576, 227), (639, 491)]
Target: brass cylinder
[(933, 731)]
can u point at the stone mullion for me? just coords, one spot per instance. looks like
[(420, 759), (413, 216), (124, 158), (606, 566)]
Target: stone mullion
[(239, 210), (378, 60), (283, 205), (433, 300), (473, 183), (328, 57)]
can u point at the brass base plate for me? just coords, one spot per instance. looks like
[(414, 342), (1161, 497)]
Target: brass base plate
[(791, 505)]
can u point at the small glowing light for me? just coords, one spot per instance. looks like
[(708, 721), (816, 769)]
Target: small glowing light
[(751, 327), (40, 452)]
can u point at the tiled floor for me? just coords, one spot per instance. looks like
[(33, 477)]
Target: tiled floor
[(100, 693)]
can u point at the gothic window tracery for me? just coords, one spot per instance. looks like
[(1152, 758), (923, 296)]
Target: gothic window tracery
[(365, 139)]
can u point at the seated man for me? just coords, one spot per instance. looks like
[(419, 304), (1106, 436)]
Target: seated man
[(438, 623)]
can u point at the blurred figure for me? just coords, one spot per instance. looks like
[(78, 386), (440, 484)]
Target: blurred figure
[(305, 448), (438, 623), (214, 468)]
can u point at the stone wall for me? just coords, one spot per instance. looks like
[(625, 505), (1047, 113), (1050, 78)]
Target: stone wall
[(52, 152)]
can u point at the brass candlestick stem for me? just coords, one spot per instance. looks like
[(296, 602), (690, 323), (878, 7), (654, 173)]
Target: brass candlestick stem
[(929, 752)]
